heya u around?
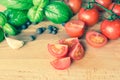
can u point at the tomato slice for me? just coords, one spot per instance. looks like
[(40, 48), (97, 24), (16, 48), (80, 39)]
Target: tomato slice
[(69, 41), (61, 63), (58, 50), (96, 39), (77, 52), (75, 28)]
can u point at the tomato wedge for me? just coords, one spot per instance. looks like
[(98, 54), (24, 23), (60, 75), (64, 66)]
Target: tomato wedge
[(96, 39), (61, 63), (69, 41), (77, 52), (75, 28), (58, 50)]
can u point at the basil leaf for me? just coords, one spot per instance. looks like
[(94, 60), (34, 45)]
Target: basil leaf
[(1, 35), (58, 12), (17, 4), (40, 3), (3, 19)]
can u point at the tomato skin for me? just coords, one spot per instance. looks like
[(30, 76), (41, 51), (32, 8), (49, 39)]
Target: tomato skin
[(75, 5), (111, 29), (77, 52), (116, 8), (96, 39), (58, 50), (75, 28), (89, 16), (105, 3), (62, 63)]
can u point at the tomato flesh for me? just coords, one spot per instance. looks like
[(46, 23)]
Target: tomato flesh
[(75, 28), (111, 29), (77, 52), (58, 50), (89, 16), (62, 63), (95, 39)]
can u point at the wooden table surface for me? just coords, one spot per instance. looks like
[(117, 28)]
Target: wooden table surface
[(32, 61)]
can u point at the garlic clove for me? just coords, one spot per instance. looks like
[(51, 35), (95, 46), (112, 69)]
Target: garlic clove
[(13, 43)]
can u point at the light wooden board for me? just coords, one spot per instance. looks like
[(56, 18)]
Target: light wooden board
[(32, 61)]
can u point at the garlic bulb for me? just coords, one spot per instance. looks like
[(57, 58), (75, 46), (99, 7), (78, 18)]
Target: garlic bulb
[(13, 43)]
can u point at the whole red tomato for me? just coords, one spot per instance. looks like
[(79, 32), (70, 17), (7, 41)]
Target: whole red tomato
[(116, 8), (111, 29), (105, 3), (75, 5), (75, 28), (89, 16)]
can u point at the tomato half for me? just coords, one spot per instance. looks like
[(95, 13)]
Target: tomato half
[(116, 8), (105, 3), (58, 50), (75, 28), (89, 16), (75, 5), (71, 42), (111, 29), (77, 52), (95, 39), (62, 63)]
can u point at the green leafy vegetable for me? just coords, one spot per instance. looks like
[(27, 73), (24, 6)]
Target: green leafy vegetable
[(36, 14), (1, 35), (58, 12), (16, 17), (17, 4), (9, 29), (3, 19)]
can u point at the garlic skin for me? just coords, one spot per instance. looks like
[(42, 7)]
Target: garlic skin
[(14, 44)]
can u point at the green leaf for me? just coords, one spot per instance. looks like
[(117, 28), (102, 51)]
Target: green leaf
[(1, 35), (41, 3), (35, 14), (17, 4), (3, 19), (9, 29), (16, 17), (58, 12)]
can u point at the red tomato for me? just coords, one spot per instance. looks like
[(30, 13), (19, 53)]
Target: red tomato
[(96, 39), (58, 50), (89, 16), (62, 63), (75, 5), (116, 8), (75, 28), (70, 42), (111, 29), (104, 3), (77, 52)]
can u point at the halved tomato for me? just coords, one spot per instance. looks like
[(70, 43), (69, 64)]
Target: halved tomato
[(77, 52), (75, 28), (61, 63), (96, 39), (69, 41), (58, 50)]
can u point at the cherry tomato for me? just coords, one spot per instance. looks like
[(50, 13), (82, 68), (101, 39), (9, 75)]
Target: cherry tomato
[(89, 16), (58, 50), (77, 52), (75, 28), (71, 42), (111, 29), (105, 3), (95, 39), (116, 8), (75, 5), (61, 63)]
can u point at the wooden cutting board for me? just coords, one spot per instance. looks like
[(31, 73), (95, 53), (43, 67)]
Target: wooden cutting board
[(32, 61)]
